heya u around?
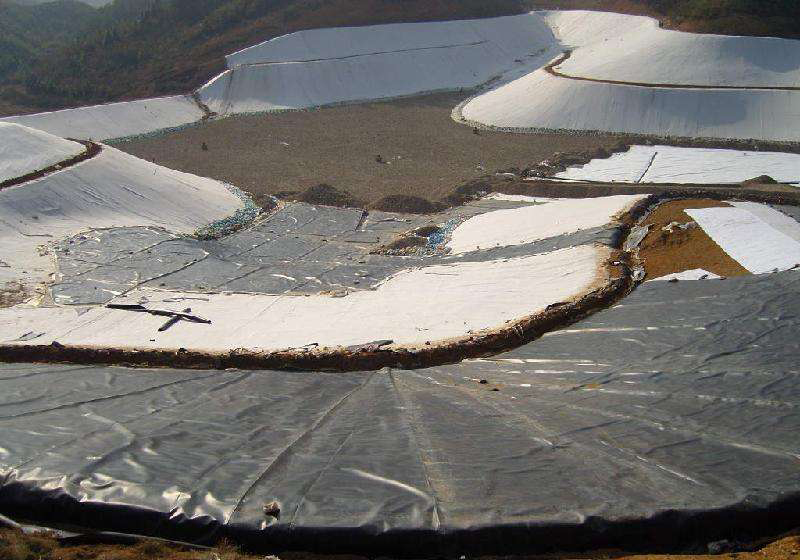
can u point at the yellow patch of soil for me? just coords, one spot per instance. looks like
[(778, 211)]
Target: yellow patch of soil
[(665, 252)]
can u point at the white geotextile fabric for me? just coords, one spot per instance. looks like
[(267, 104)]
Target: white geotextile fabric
[(540, 100), (411, 307), (520, 198), (25, 150), (115, 120), (112, 189), (748, 238), (518, 226), (636, 49), (327, 66), (513, 35), (694, 274), (669, 164), (777, 220)]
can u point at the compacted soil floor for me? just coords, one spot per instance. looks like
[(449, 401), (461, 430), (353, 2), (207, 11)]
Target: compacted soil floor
[(424, 152), (15, 545)]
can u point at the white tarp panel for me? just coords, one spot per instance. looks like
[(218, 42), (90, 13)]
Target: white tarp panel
[(112, 189), (778, 220), (411, 307), (514, 35), (748, 239), (518, 226), (25, 150), (540, 100), (694, 274), (115, 120), (669, 164), (520, 198), (327, 66), (299, 85), (636, 49)]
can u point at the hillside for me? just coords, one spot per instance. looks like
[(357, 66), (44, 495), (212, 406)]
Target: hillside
[(27, 31), (776, 18), (139, 48), (176, 45)]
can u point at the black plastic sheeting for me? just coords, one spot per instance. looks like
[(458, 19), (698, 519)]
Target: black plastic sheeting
[(666, 422), (299, 249)]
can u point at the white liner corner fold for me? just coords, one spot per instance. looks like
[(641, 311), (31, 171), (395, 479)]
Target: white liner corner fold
[(519, 226), (748, 238)]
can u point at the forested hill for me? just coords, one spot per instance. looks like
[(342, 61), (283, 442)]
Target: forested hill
[(175, 45), (65, 53), (776, 18), (26, 31)]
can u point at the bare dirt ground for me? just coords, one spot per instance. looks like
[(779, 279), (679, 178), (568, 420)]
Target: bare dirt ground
[(16, 546), (425, 153), (664, 252), (12, 293)]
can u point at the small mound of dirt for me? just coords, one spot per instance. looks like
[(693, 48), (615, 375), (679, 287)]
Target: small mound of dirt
[(406, 204), (760, 180), (426, 231), (405, 243), (470, 191), (326, 195), (409, 242), (265, 201)]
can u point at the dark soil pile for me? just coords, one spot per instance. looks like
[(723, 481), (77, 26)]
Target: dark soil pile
[(406, 204), (12, 293), (15, 545), (760, 180), (326, 195)]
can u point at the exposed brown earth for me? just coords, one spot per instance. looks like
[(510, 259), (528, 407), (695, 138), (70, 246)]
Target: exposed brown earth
[(14, 545), (12, 293), (424, 153), (664, 252)]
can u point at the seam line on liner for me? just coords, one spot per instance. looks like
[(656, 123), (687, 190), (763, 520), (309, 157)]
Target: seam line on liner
[(620, 456), (288, 449), (148, 413), (660, 423), (104, 398), (553, 71), (307, 489), (649, 165), (302, 61), (438, 516)]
